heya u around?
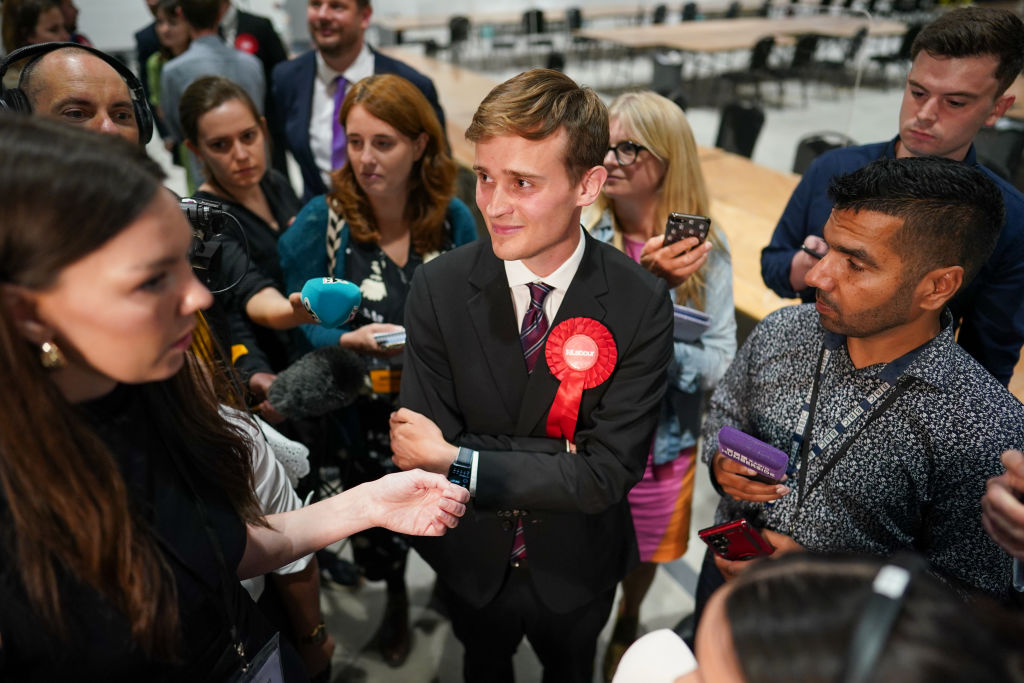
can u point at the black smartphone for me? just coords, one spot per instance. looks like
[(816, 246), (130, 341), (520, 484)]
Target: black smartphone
[(682, 225), (736, 540)]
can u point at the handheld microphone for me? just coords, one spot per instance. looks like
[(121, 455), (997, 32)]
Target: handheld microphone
[(331, 301), (320, 382)]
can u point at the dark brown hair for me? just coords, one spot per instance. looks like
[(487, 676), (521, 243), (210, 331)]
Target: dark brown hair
[(977, 31), (20, 18), (401, 105), (65, 496), (535, 105)]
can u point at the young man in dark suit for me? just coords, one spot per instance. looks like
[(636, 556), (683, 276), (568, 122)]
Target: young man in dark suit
[(533, 372), (304, 89)]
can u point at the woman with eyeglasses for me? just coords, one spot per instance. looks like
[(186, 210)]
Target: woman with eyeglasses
[(653, 170)]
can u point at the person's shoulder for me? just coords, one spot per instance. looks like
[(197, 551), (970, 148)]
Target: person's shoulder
[(967, 383), (292, 67), (622, 270), (846, 159), (254, 21), (382, 63), (797, 319)]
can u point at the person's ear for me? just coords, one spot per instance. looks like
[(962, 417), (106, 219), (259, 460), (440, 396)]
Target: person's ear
[(589, 187), (21, 304), (938, 286), (420, 145), (1003, 102)]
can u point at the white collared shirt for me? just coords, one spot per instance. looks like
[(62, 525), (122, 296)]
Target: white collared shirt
[(519, 276), (229, 26), (321, 115)]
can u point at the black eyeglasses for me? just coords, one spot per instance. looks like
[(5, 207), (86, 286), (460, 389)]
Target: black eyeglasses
[(626, 152)]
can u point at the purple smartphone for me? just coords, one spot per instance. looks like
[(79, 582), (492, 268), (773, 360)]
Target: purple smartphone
[(769, 462)]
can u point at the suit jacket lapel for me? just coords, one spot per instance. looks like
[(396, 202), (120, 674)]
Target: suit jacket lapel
[(493, 317), (582, 299)]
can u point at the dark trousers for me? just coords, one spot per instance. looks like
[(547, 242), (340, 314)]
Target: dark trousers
[(564, 643)]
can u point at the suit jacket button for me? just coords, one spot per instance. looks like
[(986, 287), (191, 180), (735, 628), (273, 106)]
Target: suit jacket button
[(506, 525)]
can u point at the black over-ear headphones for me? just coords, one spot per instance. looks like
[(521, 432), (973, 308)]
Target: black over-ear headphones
[(13, 99)]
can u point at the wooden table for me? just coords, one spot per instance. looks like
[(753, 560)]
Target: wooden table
[(721, 35), (398, 24)]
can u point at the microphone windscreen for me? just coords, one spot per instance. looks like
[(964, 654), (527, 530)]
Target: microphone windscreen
[(330, 300), (322, 381)]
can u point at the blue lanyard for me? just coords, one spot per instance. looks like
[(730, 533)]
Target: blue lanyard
[(891, 389)]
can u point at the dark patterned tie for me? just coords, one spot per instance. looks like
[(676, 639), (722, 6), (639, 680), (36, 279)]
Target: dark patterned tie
[(535, 325), (338, 152), (531, 336)]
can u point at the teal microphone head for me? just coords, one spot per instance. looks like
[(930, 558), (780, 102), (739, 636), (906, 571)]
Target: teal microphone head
[(331, 301)]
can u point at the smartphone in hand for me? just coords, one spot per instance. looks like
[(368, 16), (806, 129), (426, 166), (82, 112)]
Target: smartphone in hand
[(736, 540), (682, 225)]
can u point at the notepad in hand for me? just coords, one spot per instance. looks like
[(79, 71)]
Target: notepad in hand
[(690, 323), (390, 340)]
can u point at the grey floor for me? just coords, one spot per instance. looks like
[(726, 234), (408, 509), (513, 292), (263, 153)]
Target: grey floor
[(354, 614)]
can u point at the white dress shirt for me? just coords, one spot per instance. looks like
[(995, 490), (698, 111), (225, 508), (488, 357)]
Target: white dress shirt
[(321, 115)]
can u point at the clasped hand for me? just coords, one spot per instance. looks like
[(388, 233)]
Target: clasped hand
[(416, 442)]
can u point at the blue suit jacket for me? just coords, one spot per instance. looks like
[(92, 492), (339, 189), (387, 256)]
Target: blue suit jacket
[(292, 93)]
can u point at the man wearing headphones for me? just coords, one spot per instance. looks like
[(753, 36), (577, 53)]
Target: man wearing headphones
[(79, 87)]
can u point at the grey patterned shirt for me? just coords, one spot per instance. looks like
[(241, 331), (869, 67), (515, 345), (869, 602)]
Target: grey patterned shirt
[(913, 477)]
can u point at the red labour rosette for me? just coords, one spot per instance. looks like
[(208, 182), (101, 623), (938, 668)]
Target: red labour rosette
[(581, 354)]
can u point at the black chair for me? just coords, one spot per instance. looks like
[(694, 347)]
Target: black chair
[(739, 127), (1000, 150), (844, 72), (902, 55), (814, 145), (535, 28), (758, 68), (765, 10), (801, 66), (690, 11), (734, 10), (458, 36), (660, 14)]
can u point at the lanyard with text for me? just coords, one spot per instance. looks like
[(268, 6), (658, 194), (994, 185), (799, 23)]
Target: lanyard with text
[(891, 389)]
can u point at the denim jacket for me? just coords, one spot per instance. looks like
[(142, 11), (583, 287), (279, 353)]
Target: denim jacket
[(697, 366)]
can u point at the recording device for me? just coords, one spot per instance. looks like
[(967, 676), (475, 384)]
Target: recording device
[(331, 301), (769, 462), (736, 540), (320, 382), (208, 220), (682, 225)]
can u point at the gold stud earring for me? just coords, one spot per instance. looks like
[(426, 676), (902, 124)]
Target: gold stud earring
[(51, 357)]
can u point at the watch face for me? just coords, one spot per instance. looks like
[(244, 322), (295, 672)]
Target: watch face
[(459, 474)]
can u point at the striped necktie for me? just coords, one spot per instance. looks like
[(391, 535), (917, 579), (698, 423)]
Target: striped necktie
[(531, 336), (535, 324)]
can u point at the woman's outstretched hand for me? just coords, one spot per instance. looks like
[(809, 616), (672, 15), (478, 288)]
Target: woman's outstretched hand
[(417, 503)]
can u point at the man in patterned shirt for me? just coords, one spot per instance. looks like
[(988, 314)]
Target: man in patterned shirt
[(891, 428)]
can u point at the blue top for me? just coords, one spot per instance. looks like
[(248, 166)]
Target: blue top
[(988, 308), (303, 252), (697, 366)]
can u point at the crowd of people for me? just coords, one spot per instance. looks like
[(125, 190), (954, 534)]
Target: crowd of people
[(528, 414)]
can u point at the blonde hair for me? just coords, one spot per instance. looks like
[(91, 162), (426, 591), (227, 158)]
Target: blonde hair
[(659, 124)]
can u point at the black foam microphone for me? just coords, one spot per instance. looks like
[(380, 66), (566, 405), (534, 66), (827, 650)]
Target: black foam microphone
[(321, 381)]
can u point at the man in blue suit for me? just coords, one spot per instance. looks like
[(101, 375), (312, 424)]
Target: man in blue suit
[(303, 89)]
